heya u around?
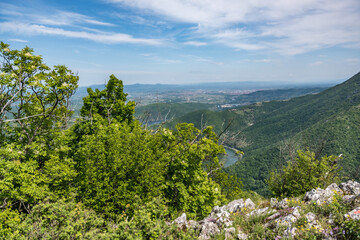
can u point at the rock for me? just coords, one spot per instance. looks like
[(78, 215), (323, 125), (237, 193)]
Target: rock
[(235, 205), (329, 192), (354, 214), (221, 216), (249, 204), (274, 202), (288, 219), (274, 216), (180, 220), (350, 187), (241, 235), (334, 187), (290, 232), (313, 195), (283, 204), (310, 217), (208, 230), (296, 212), (320, 195), (191, 224), (229, 232), (258, 212)]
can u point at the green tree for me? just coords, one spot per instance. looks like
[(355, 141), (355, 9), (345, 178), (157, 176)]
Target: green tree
[(108, 104), (303, 174), (117, 164), (192, 157), (33, 114)]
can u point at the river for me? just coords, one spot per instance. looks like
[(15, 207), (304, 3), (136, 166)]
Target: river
[(230, 158)]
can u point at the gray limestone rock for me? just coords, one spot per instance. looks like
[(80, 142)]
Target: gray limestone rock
[(241, 235), (208, 230), (354, 214), (180, 221), (235, 205), (350, 187), (229, 232), (310, 217), (258, 212), (249, 204)]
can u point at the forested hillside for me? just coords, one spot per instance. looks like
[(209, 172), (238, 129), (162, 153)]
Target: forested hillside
[(270, 132)]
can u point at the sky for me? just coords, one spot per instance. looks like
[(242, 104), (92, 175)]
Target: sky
[(190, 41)]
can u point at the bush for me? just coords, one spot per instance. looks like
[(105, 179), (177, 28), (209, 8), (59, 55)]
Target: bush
[(303, 174)]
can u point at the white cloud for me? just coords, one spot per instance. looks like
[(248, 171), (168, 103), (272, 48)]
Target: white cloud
[(51, 17), (195, 43), (105, 37), (18, 40), (287, 27)]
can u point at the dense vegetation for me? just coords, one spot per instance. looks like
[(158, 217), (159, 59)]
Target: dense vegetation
[(101, 174)]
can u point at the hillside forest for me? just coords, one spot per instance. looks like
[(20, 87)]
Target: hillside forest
[(104, 175)]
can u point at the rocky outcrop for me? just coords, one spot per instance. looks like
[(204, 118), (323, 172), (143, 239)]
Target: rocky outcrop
[(277, 212)]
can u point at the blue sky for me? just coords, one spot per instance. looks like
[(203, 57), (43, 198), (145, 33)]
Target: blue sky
[(190, 41)]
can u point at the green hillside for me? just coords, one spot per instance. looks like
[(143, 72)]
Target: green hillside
[(164, 111), (276, 94), (328, 121)]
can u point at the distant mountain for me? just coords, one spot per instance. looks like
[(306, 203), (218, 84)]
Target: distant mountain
[(327, 122), (215, 86)]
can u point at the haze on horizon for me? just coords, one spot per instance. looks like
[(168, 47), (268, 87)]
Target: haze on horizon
[(190, 41)]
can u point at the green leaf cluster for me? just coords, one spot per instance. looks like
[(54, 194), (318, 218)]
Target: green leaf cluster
[(306, 172)]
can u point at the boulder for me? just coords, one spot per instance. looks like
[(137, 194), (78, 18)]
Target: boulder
[(354, 214), (289, 219), (290, 232), (229, 232), (180, 220), (249, 204), (283, 204), (241, 235), (235, 206), (350, 187), (258, 212), (221, 216), (310, 217), (321, 196), (274, 202), (208, 230)]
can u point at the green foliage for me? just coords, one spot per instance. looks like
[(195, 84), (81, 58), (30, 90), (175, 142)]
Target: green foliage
[(303, 174), (63, 220), (33, 113), (118, 163), (231, 186), (21, 184), (109, 104), (351, 229), (188, 187), (9, 221), (150, 222)]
